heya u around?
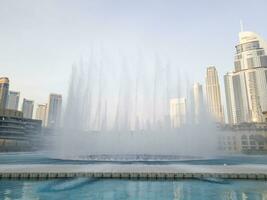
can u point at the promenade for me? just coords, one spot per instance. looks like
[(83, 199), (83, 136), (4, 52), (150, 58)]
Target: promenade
[(133, 171)]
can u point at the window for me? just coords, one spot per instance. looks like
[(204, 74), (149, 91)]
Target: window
[(237, 65), (263, 60), (250, 63)]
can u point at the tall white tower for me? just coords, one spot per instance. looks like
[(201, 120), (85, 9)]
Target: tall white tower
[(198, 102), (246, 86), (13, 100), (213, 93), (27, 108), (177, 112), (4, 87), (41, 113), (54, 110)]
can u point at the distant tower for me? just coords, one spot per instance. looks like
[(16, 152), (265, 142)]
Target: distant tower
[(54, 110), (214, 95), (27, 108), (4, 86), (177, 112), (198, 102), (246, 86), (41, 113), (13, 100)]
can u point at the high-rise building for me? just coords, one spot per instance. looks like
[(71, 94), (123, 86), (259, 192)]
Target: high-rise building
[(13, 100), (27, 108), (4, 86), (54, 110), (177, 112), (198, 103), (213, 93), (41, 113), (246, 86)]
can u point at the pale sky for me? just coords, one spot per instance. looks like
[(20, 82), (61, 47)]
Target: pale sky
[(40, 40)]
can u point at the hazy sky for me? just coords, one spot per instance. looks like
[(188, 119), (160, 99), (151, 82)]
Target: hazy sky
[(40, 40)]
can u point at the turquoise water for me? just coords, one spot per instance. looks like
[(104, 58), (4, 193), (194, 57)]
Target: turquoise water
[(81, 188), (42, 158), (85, 188)]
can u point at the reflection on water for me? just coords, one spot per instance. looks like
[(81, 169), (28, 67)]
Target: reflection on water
[(128, 189)]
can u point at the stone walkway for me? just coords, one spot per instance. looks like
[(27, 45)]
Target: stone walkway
[(171, 171)]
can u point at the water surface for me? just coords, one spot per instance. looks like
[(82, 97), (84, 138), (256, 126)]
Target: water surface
[(84, 188), (43, 158)]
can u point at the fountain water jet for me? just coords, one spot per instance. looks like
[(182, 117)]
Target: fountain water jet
[(122, 109)]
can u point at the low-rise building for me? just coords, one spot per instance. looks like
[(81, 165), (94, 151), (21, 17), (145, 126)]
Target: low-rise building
[(244, 138), (18, 133)]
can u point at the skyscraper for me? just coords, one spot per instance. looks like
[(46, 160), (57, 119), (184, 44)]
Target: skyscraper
[(4, 86), (198, 103), (177, 112), (13, 100), (41, 113), (213, 93), (27, 108), (54, 110), (246, 86)]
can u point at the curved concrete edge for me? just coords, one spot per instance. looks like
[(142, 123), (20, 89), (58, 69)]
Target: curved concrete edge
[(134, 175)]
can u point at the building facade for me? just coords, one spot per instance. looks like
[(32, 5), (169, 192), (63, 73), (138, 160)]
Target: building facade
[(54, 110), (178, 112), (4, 87), (214, 103), (27, 108), (248, 138), (246, 86), (41, 113), (13, 100), (18, 133)]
